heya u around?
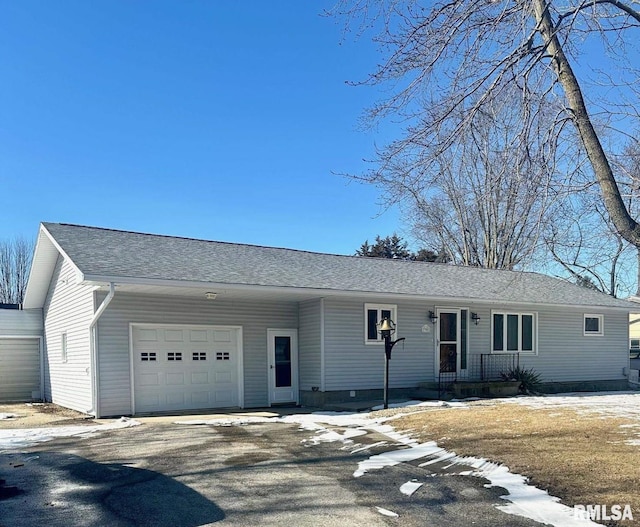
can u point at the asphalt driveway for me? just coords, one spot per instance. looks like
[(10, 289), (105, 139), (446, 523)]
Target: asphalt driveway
[(165, 474)]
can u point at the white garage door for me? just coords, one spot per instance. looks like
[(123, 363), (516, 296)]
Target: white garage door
[(185, 367), (19, 369)]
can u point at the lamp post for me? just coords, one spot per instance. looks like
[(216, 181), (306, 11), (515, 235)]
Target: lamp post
[(386, 328)]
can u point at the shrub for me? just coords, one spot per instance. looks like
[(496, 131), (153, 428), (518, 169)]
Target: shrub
[(529, 379)]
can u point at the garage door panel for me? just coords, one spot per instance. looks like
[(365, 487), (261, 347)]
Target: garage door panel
[(223, 377), (173, 335), (222, 336), (185, 368), (175, 379), (199, 335), (149, 380), (151, 402), (223, 397), (176, 400), (199, 398), (200, 378), (19, 369), (147, 335)]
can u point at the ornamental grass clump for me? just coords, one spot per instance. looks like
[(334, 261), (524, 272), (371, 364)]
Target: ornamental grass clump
[(529, 379)]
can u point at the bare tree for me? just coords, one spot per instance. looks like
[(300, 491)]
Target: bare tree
[(588, 248), (15, 263), (488, 198), (444, 61)]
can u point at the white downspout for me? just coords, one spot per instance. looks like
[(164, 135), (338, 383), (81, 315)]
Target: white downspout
[(93, 346)]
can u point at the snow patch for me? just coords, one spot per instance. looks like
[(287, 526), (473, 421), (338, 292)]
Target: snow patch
[(228, 421), (387, 512), (389, 459), (21, 438), (410, 487)]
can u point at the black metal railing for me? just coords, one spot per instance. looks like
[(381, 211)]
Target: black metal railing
[(491, 367), (448, 370), (483, 367)]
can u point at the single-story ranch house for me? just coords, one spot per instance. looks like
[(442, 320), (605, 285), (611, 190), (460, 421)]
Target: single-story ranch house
[(128, 323)]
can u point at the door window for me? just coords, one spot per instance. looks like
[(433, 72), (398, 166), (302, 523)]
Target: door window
[(283, 361)]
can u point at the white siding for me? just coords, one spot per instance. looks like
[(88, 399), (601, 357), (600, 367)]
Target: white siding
[(19, 369), (309, 344), (353, 365), (564, 353), (68, 309), (113, 339), (14, 322)]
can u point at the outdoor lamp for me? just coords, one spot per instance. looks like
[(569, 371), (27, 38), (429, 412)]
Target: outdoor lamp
[(386, 327)]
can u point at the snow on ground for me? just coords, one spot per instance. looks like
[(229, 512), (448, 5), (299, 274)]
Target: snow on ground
[(410, 487), (521, 499), (609, 404), (21, 438), (7, 416)]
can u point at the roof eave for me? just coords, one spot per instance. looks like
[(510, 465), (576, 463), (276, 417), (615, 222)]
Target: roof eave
[(43, 264), (337, 293)]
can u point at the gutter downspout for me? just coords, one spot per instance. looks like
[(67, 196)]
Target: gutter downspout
[(93, 346)]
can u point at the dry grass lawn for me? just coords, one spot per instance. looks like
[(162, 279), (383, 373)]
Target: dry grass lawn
[(582, 459)]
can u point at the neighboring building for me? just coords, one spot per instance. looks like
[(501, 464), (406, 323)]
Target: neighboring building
[(140, 323), (634, 327), (21, 372)]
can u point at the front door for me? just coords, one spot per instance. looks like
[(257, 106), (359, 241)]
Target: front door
[(451, 340), (448, 341), (283, 365)]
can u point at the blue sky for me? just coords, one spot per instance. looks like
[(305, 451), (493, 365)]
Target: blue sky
[(215, 120)]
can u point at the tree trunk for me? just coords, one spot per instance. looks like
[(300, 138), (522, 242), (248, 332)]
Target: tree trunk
[(625, 224)]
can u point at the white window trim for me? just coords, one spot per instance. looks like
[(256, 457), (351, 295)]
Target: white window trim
[(379, 307), (64, 347), (534, 332), (600, 332)]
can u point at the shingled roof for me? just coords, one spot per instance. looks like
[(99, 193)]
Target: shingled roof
[(102, 254)]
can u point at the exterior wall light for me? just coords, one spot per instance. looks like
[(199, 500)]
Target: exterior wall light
[(475, 318), (433, 317)]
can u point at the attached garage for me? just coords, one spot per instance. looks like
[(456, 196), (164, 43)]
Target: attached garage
[(20, 369), (178, 367)]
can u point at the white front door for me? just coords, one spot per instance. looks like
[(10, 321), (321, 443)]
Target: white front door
[(451, 339), (283, 365), (448, 339)]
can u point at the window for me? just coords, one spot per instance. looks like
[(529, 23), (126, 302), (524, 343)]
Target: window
[(593, 325), (513, 332), (148, 356), (634, 344), (373, 314), (174, 355), (199, 355), (63, 347)]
